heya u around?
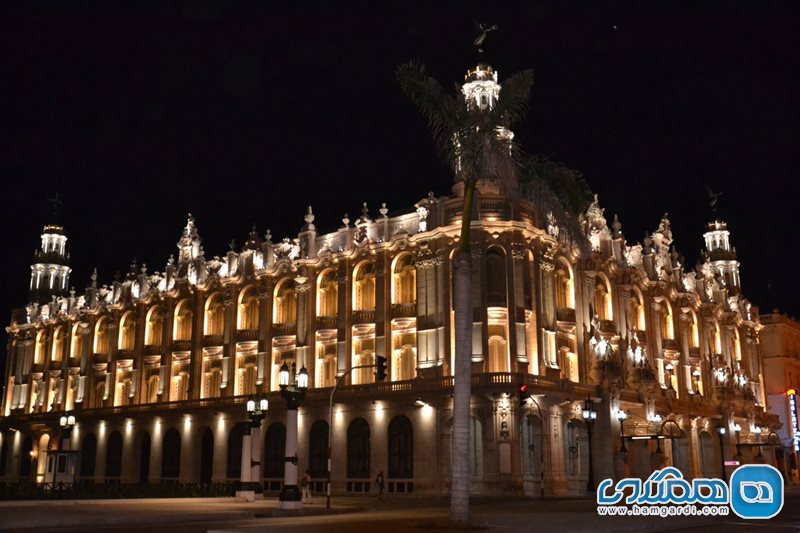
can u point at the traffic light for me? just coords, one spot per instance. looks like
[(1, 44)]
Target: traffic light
[(380, 368), (523, 395)]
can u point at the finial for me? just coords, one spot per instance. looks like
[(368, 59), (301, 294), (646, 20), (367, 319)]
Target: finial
[(383, 210), (364, 210), (268, 236), (346, 220), (309, 218), (483, 31)]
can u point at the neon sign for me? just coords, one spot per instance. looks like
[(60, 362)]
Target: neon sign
[(793, 413)]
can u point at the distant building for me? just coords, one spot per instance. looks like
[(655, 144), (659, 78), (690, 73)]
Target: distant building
[(780, 350), (157, 366)]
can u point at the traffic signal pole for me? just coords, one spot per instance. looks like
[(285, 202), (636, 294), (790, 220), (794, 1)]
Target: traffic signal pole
[(380, 375)]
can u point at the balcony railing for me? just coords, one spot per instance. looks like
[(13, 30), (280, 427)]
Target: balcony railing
[(284, 328), (213, 340), (74, 362), (181, 346), (326, 322), (247, 335), (152, 349), (99, 358), (364, 317), (565, 314), (55, 365), (608, 326), (671, 344), (407, 310)]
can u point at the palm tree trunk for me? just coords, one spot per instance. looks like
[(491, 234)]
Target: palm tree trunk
[(462, 303)]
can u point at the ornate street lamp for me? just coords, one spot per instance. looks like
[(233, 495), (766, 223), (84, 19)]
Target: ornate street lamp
[(67, 423), (589, 416), (293, 389), (251, 477), (621, 416), (721, 433), (669, 368)]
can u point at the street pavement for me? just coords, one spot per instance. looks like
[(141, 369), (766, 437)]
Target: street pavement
[(398, 513)]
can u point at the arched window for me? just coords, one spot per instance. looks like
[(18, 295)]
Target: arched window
[(737, 346), (495, 278), (318, 449), (57, 352), (88, 456), (127, 332), (114, 456), (328, 294), (404, 280), (275, 450), (364, 287), (665, 315), (182, 327), (171, 456), (154, 327), (248, 309), (406, 367), (144, 457), (213, 383), (358, 465), (498, 354), (716, 339), (153, 382), (214, 323), (99, 394), (76, 347), (363, 354), (235, 438), (602, 300), (636, 312), (401, 448), (39, 351), (285, 302), (247, 380), (206, 456), (565, 296), (101, 336)]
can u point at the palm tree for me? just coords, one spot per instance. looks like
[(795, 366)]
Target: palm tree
[(472, 140)]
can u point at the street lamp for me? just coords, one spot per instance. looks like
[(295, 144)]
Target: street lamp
[(293, 389), (256, 410), (67, 422), (621, 416), (721, 433), (738, 429), (669, 368), (696, 378), (589, 416)]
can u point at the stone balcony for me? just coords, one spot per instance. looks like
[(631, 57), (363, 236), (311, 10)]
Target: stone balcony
[(152, 349), (213, 340), (364, 317), (326, 322), (247, 335), (671, 344), (284, 328), (406, 310), (181, 346), (565, 314)]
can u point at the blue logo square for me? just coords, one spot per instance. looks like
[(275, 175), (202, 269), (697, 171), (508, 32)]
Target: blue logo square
[(756, 491)]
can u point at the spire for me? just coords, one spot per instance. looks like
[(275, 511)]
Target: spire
[(50, 269), (721, 255)]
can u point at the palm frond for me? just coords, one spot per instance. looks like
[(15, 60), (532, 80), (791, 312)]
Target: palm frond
[(514, 97)]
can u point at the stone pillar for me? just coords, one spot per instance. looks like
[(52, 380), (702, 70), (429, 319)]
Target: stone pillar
[(290, 497)]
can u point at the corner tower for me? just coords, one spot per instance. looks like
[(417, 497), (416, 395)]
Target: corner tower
[(722, 255), (50, 269)]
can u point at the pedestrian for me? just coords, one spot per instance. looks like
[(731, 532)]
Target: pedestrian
[(305, 485), (379, 485)]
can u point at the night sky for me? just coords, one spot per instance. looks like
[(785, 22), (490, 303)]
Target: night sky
[(245, 113)]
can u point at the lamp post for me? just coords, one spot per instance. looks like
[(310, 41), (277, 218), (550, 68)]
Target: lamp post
[(621, 416), (669, 368), (589, 416), (293, 390), (251, 470), (67, 422), (738, 429), (721, 433)]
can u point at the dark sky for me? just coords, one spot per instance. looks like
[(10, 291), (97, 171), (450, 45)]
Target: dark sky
[(247, 112)]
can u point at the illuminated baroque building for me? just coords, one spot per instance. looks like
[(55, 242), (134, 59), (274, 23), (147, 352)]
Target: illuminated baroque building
[(157, 367)]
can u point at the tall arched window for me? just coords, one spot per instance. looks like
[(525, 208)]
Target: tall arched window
[(404, 280), (235, 438), (114, 456), (127, 332), (88, 456), (318, 449), (101, 336), (214, 323), (76, 342), (565, 296), (328, 294), (358, 450), (636, 312), (495, 278), (56, 354), (498, 354), (171, 456), (154, 327), (248, 309), (401, 448), (285, 302), (364, 287), (602, 300), (275, 450), (694, 331), (40, 348), (182, 327), (153, 382), (665, 315)]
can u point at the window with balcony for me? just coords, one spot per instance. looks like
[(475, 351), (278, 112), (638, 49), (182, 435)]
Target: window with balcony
[(127, 332), (364, 287), (404, 280), (248, 309), (495, 278), (182, 326), (285, 302), (58, 344), (214, 323), (154, 327), (328, 294), (101, 336)]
